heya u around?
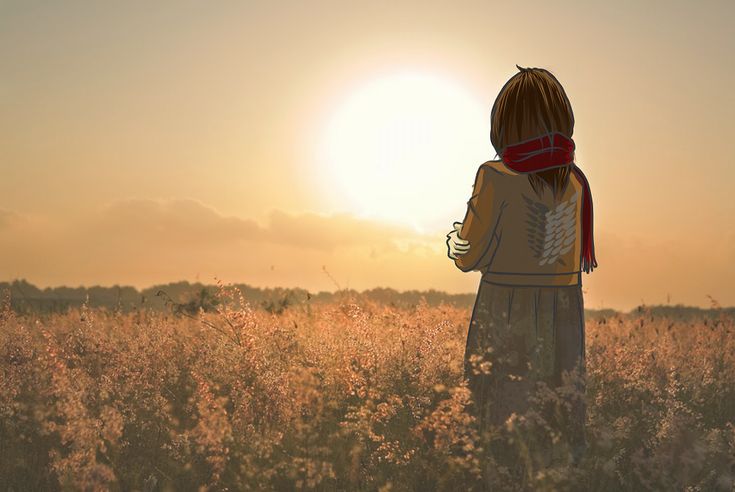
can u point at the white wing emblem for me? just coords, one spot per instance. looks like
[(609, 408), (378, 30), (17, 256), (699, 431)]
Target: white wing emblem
[(551, 231)]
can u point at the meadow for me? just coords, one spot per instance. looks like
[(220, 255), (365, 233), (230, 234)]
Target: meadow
[(352, 394)]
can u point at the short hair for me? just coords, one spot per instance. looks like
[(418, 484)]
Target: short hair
[(532, 103)]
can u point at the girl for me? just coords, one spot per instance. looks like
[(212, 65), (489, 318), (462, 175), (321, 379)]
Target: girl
[(528, 229)]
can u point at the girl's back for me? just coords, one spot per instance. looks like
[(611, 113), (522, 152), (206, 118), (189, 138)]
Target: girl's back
[(533, 239)]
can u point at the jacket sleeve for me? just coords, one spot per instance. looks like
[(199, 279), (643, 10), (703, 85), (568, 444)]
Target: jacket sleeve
[(481, 220)]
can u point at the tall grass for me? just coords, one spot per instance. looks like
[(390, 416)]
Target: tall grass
[(352, 395)]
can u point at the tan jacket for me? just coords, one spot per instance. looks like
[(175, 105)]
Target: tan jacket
[(519, 238)]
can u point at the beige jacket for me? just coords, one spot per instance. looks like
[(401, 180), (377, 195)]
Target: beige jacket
[(519, 238)]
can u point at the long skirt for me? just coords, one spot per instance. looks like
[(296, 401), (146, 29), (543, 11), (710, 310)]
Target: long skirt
[(519, 336)]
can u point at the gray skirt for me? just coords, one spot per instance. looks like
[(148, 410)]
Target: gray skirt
[(518, 336)]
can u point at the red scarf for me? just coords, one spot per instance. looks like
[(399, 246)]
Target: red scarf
[(547, 152)]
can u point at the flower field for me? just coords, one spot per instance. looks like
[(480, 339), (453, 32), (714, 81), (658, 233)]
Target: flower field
[(347, 395)]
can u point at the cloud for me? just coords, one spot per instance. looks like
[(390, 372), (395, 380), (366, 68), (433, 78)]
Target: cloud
[(184, 221), (9, 219), (635, 270), (169, 221), (326, 232), (142, 242)]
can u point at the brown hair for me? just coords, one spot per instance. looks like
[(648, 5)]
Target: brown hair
[(533, 103)]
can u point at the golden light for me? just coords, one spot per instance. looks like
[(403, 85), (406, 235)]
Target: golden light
[(404, 148)]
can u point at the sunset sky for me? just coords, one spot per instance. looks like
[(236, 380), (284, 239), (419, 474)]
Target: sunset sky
[(256, 142)]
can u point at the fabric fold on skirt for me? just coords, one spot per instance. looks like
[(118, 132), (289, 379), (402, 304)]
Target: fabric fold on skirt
[(526, 334)]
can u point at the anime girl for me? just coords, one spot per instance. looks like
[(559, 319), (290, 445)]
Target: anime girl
[(528, 229)]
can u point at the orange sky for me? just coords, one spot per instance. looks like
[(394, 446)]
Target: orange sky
[(149, 142)]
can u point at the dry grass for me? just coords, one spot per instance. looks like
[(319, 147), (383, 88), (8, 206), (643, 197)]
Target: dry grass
[(351, 395)]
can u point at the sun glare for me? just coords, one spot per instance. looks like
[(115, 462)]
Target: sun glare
[(404, 147)]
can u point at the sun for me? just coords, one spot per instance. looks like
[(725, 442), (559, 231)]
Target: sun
[(404, 147)]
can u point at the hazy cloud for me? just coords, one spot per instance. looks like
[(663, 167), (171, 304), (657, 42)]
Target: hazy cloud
[(633, 270), (9, 218), (170, 221), (142, 242), (185, 221), (325, 232)]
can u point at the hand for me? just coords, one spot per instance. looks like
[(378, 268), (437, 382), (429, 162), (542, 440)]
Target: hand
[(456, 246)]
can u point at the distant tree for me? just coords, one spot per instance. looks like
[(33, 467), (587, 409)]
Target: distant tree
[(204, 300), (277, 306)]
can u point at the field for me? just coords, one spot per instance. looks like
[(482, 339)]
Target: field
[(347, 395)]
